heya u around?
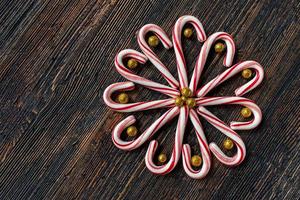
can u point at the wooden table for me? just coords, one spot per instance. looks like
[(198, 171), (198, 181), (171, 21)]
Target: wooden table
[(55, 130)]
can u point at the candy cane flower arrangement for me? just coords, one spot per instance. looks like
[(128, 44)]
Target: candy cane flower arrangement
[(185, 99)]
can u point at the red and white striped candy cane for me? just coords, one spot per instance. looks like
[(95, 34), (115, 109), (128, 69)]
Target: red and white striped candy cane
[(221, 126), (132, 107), (130, 145), (163, 37), (176, 37), (186, 151), (257, 114), (230, 51), (128, 74), (250, 85), (168, 167)]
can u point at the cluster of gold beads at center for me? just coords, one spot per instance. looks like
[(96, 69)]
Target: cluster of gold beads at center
[(185, 98)]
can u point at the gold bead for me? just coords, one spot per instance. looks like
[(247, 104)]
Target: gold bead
[(162, 158), (247, 73), (246, 112), (123, 98), (219, 47), (196, 161), (188, 32), (131, 131), (132, 63), (190, 102), (179, 102), (186, 92), (228, 144), (183, 98), (153, 41)]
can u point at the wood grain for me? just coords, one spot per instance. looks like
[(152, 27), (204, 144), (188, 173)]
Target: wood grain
[(55, 130)]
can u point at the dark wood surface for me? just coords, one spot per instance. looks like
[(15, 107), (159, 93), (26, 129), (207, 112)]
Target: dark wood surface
[(55, 130)]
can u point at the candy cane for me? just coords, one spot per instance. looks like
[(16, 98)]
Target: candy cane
[(132, 107), (186, 151), (128, 74), (221, 126), (152, 56), (250, 85), (130, 145), (230, 51), (176, 37), (168, 167), (257, 114)]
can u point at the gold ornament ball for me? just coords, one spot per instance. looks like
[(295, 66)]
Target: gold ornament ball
[(132, 63), (131, 131), (247, 73), (228, 144), (219, 47), (188, 32), (153, 41), (123, 98), (186, 92), (162, 158), (246, 112), (190, 102), (196, 161), (179, 102)]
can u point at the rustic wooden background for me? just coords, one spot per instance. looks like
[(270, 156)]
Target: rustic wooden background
[(55, 130)]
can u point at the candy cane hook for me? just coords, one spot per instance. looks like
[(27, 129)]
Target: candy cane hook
[(151, 55), (247, 87), (230, 51), (186, 151), (221, 126), (235, 125), (176, 37), (170, 165), (128, 74), (148, 133), (132, 107)]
